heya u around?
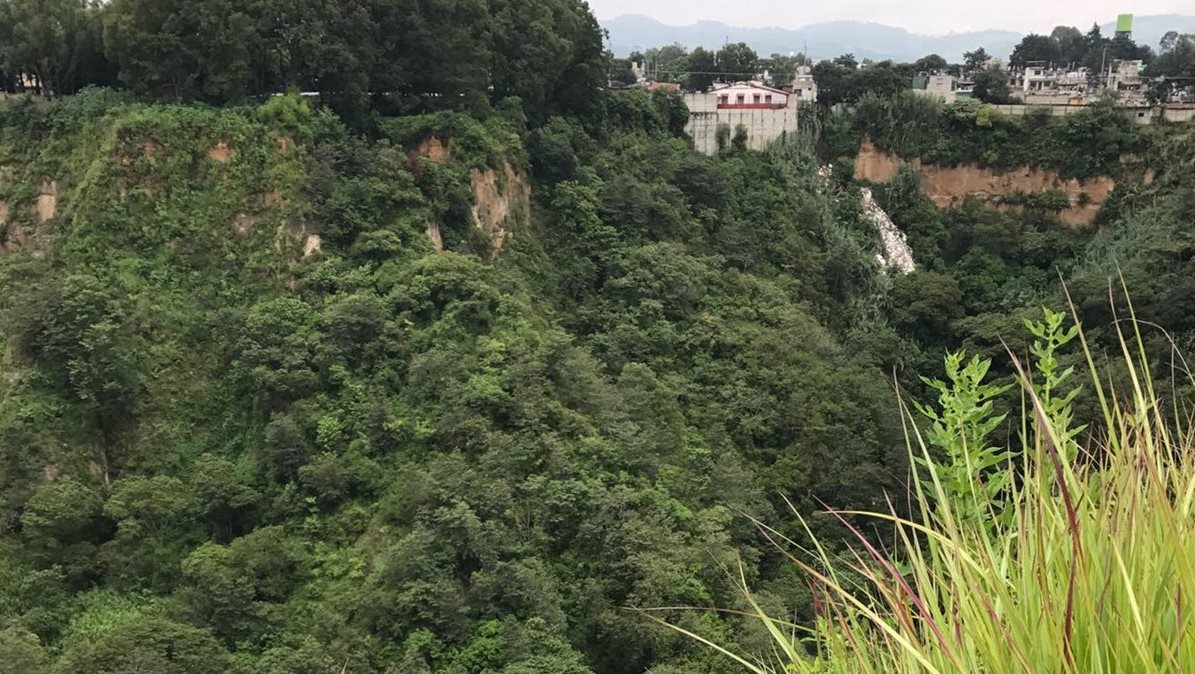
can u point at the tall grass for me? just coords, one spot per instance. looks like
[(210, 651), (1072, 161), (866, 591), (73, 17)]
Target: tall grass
[(1054, 556)]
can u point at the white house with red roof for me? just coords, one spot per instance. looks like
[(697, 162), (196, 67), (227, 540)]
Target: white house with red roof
[(766, 113), (749, 96)]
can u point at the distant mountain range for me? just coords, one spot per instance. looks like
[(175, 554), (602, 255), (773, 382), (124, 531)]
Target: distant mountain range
[(633, 32)]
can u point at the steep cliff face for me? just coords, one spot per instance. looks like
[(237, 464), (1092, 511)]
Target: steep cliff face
[(230, 182), (501, 196), (949, 187), (502, 200), (175, 182), (47, 201), (21, 227)]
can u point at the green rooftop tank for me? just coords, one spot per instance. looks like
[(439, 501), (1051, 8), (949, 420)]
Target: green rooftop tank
[(1124, 24)]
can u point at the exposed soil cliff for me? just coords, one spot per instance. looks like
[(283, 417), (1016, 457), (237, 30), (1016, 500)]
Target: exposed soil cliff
[(948, 187), (19, 227), (7, 231), (501, 198), (499, 201), (47, 201)]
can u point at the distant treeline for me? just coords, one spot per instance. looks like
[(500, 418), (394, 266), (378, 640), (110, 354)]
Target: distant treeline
[(400, 54), (846, 80)]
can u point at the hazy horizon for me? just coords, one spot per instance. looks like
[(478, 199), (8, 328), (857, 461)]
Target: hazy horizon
[(931, 17)]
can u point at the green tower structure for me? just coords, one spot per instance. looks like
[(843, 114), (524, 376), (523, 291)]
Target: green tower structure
[(1124, 25)]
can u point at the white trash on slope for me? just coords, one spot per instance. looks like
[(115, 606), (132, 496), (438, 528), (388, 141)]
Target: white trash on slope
[(896, 252)]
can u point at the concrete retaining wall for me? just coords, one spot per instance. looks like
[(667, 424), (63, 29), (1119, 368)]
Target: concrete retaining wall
[(763, 126)]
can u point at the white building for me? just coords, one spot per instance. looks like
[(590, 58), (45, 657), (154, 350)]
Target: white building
[(940, 86), (766, 113), (944, 87), (804, 86), (1038, 78), (1124, 79), (1045, 84)]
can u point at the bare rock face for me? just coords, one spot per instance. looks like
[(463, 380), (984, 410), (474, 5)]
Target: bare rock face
[(312, 245), (220, 152), (435, 150), (28, 227), (501, 197), (499, 204), (433, 233), (12, 235), (47, 201), (950, 186)]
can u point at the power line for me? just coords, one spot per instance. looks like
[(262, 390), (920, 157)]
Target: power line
[(698, 72)]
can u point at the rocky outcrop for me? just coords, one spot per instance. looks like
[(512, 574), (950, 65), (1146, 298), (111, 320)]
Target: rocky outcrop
[(11, 234), (499, 201), (949, 187), (501, 197), (433, 232), (434, 149), (220, 152), (47, 201), (28, 225), (312, 245)]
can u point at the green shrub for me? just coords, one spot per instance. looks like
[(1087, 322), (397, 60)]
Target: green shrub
[(1066, 554)]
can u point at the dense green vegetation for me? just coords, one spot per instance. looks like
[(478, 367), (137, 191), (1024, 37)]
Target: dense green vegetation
[(405, 460), (251, 420), (697, 70), (1174, 68), (359, 55), (1091, 142), (1091, 526), (1067, 46)]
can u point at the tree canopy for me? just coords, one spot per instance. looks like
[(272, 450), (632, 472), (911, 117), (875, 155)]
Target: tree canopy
[(399, 55), (1174, 68), (842, 81), (929, 64)]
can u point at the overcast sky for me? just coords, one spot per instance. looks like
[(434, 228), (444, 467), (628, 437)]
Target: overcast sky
[(919, 16)]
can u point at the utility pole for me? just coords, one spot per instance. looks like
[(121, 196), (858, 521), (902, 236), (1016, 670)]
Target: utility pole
[(1103, 70)]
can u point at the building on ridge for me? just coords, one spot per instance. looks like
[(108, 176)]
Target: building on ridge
[(804, 86), (767, 114)]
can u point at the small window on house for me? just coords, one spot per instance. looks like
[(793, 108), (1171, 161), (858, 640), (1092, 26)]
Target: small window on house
[(767, 99), (741, 98), (798, 92), (723, 99), (755, 99)]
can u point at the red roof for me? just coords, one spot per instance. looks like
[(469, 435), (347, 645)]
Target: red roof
[(751, 85)]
